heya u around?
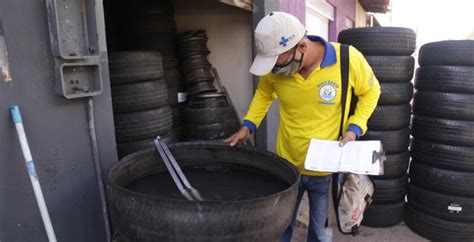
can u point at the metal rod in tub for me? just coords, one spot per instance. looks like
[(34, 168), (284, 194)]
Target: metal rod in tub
[(30, 165)]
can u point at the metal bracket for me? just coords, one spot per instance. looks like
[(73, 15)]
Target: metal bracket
[(76, 80), (73, 29)]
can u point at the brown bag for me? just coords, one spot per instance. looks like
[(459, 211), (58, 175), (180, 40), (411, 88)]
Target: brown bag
[(352, 193)]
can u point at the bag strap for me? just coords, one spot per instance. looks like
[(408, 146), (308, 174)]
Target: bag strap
[(336, 192), (345, 83)]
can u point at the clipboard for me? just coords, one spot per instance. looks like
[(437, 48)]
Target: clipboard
[(358, 157)]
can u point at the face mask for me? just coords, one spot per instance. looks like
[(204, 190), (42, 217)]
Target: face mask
[(290, 68)]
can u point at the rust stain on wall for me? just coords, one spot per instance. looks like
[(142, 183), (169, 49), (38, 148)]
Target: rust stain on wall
[(5, 74)]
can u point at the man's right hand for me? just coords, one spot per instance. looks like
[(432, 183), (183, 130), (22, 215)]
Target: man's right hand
[(239, 137)]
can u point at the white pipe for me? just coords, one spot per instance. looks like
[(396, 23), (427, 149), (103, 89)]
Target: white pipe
[(30, 165)]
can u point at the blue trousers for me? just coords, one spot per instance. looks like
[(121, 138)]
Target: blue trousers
[(317, 188)]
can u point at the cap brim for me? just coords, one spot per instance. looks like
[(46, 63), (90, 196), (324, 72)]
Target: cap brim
[(262, 65)]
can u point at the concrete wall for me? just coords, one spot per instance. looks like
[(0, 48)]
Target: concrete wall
[(360, 16), (343, 9), (230, 41), (295, 7), (271, 5)]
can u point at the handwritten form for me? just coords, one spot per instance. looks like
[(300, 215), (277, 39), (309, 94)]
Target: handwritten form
[(354, 157)]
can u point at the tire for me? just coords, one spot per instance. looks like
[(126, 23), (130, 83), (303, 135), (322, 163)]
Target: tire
[(393, 93), (170, 57), (390, 190), (382, 216), (443, 131), (452, 208), (139, 96), (208, 101), (173, 78), (148, 36), (455, 79), (198, 74), (177, 112), (390, 117), (380, 40), (212, 131), (155, 12), (438, 229), (124, 149), (201, 87), (180, 133), (135, 66), (394, 141), (392, 68), (444, 105), (448, 52), (449, 157), (456, 183), (190, 63), (209, 115), (395, 166), (144, 217), (143, 124)]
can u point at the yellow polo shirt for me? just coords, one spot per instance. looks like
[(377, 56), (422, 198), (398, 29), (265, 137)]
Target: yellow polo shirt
[(311, 108)]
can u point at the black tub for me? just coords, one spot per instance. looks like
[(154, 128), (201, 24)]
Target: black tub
[(141, 217)]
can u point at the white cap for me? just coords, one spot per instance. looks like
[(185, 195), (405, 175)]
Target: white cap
[(275, 34)]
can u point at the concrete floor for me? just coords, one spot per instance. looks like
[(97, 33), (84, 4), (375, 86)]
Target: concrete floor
[(398, 233)]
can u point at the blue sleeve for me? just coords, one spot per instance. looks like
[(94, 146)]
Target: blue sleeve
[(356, 129), (250, 125)]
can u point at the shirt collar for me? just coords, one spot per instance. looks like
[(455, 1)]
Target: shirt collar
[(329, 57)]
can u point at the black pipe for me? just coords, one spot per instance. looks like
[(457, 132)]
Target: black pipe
[(97, 165)]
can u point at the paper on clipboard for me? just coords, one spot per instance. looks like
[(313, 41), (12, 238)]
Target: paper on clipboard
[(359, 157)]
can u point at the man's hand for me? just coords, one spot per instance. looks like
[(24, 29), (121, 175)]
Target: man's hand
[(239, 137), (348, 136)]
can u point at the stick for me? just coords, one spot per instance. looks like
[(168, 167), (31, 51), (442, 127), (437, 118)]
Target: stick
[(30, 165)]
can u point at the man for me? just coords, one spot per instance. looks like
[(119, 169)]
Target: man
[(303, 73)]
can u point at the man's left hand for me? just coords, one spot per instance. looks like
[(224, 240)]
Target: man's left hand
[(348, 136)]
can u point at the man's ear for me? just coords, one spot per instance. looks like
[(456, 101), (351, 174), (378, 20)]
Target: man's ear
[(303, 46)]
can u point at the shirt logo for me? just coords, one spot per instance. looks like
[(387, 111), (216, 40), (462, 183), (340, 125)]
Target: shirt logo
[(327, 92)]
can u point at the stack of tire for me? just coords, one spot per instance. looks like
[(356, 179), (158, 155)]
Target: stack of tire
[(209, 115), (150, 26), (388, 51), (441, 192), (140, 100), (195, 66)]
